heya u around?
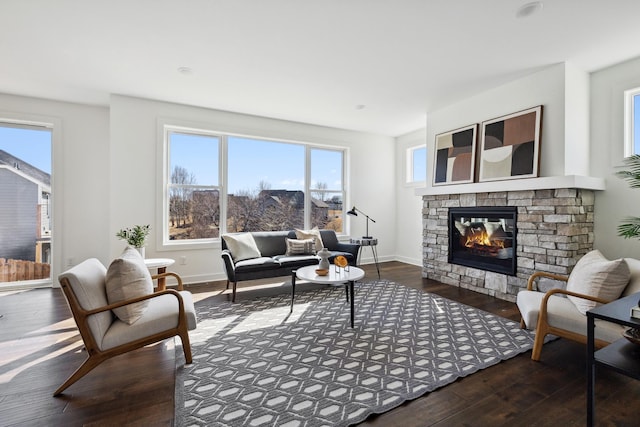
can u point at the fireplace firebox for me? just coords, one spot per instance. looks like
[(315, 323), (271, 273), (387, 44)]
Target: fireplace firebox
[(484, 238)]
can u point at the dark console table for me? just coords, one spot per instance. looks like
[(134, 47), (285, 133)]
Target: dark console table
[(621, 355)]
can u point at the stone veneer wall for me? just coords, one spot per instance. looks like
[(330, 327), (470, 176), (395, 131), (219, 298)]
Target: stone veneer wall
[(555, 228)]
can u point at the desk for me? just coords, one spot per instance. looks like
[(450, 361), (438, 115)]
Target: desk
[(335, 277), (621, 356), (372, 243), (161, 264)]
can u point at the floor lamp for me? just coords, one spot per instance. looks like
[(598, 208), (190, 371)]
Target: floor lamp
[(354, 212)]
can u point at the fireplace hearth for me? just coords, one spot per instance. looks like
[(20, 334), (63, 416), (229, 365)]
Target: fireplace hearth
[(484, 238)]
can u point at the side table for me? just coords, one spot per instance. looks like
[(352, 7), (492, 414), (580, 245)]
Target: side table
[(372, 243), (621, 355), (161, 264)]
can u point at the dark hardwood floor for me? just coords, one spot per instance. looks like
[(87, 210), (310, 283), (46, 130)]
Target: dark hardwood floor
[(40, 348)]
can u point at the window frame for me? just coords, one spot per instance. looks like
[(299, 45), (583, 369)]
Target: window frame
[(166, 127), (409, 166), (630, 124)]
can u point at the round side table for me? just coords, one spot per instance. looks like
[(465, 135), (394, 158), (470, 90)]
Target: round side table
[(161, 265), (372, 243)]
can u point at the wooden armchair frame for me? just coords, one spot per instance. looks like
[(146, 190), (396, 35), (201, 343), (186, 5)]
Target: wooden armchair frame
[(96, 355), (543, 328)]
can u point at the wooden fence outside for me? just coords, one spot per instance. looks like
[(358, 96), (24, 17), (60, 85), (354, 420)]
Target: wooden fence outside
[(14, 270)]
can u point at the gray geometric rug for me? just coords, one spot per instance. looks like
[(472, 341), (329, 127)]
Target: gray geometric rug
[(255, 364)]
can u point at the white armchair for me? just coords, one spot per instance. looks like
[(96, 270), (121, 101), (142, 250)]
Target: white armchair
[(167, 313), (561, 312)]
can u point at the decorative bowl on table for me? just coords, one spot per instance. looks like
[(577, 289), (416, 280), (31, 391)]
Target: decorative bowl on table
[(322, 271), (632, 334)]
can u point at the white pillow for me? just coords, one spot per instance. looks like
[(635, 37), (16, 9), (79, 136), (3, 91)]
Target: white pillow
[(300, 247), (242, 246), (128, 277), (314, 233), (596, 276)]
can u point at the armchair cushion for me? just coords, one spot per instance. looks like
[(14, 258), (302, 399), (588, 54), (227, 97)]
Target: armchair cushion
[(562, 314), (596, 276), (242, 246), (88, 285), (128, 277), (161, 315)]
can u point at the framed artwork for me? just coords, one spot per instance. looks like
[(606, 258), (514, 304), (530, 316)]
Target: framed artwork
[(510, 146), (455, 157)]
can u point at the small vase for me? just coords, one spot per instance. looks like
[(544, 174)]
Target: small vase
[(324, 255), (141, 251)]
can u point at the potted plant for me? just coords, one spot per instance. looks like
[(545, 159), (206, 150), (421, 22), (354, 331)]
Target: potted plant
[(135, 236), (631, 227)]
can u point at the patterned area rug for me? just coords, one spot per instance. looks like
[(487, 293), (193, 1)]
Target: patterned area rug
[(256, 364)]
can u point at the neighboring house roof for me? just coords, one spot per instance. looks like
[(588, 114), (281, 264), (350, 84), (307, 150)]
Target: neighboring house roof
[(296, 195), (25, 168)]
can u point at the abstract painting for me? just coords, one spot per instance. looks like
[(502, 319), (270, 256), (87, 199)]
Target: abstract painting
[(510, 146), (455, 158)]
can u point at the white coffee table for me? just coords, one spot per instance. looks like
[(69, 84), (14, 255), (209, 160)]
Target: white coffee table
[(335, 277)]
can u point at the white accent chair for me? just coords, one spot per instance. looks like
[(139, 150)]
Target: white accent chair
[(553, 313), (168, 313)]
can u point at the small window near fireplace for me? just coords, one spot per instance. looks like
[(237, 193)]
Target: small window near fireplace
[(484, 238)]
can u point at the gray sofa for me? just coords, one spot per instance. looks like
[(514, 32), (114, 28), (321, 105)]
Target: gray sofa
[(274, 263)]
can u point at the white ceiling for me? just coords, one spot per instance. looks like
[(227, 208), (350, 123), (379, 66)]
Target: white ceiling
[(302, 60)]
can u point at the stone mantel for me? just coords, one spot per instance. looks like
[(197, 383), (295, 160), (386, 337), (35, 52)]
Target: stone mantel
[(543, 183)]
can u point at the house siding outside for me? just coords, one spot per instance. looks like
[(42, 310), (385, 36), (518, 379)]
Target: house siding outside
[(18, 216)]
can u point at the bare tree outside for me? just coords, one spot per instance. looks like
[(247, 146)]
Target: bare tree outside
[(205, 214), (180, 196), (243, 211), (319, 191)]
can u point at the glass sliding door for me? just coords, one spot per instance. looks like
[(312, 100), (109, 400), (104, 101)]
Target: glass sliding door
[(25, 205)]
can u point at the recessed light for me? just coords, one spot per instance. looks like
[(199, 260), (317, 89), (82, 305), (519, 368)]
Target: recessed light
[(185, 70), (528, 9)]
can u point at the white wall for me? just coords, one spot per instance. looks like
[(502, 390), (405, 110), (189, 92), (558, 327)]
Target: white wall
[(134, 166), (80, 179), (409, 213), (576, 110), (607, 136), (546, 87)]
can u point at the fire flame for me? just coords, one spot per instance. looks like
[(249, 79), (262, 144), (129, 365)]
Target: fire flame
[(479, 237)]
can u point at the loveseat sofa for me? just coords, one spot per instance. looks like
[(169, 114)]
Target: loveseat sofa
[(273, 259)]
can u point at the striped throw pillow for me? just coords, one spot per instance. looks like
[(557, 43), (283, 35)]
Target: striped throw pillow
[(300, 247)]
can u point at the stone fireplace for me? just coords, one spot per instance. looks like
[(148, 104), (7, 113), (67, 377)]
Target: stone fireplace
[(554, 229)]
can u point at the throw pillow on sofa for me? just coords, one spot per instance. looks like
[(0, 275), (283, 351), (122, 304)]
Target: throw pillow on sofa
[(314, 233), (242, 246), (301, 247), (596, 276), (128, 277)]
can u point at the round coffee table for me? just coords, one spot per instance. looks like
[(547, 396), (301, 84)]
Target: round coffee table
[(335, 277)]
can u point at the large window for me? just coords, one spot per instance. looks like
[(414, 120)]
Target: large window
[(217, 183), (25, 209), (632, 122)]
